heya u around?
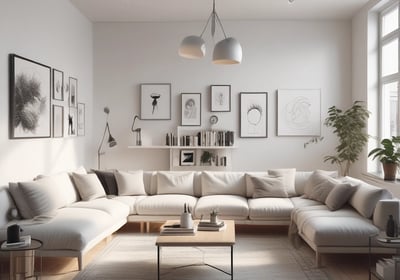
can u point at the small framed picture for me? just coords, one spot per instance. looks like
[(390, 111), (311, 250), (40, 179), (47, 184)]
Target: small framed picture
[(187, 157), (220, 98), (81, 119), (58, 85), (253, 114), (73, 92), (155, 101), (58, 121), (191, 109), (72, 121)]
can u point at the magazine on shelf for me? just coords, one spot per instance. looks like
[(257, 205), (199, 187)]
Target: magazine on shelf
[(25, 241)]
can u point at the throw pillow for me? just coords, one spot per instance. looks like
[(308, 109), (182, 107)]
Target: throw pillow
[(20, 201), (266, 186), (89, 186), (289, 176), (42, 196), (229, 183), (340, 194), (130, 183), (316, 178), (108, 181), (175, 183), (321, 191)]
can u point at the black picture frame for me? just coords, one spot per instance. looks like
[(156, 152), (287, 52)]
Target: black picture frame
[(30, 98), (58, 85), (253, 114), (220, 98), (72, 121), (73, 92)]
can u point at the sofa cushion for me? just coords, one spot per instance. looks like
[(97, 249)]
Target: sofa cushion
[(266, 186), (270, 208), (228, 183), (130, 183), (89, 186), (63, 182), (42, 196), (339, 195), (228, 207), (175, 183), (316, 178), (130, 201), (366, 196), (288, 175), (165, 204), (19, 199), (320, 191), (107, 179), (116, 209)]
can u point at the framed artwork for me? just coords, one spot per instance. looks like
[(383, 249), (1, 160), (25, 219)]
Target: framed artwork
[(191, 109), (30, 94), (187, 157), (81, 119), (58, 85), (58, 121), (253, 114), (73, 92), (299, 112), (72, 121), (220, 98), (155, 101)]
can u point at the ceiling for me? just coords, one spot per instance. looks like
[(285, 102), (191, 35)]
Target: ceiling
[(198, 10)]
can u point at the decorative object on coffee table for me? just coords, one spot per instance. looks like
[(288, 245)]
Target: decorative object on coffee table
[(389, 156), (214, 216), (111, 140)]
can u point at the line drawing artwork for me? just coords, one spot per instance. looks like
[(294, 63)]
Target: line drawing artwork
[(154, 103), (254, 117), (220, 98), (190, 109), (299, 112), (253, 114)]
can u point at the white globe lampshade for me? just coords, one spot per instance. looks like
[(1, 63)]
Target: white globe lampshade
[(227, 51), (192, 47)]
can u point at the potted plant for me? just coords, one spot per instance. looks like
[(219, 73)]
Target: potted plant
[(349, 126), (389, 156), (206, 158)]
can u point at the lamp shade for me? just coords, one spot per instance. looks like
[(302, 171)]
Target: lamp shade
[(227, 51), (192, 47)]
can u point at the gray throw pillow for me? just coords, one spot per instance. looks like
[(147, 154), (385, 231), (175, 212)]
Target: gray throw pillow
[(266, 186), (340, 194)]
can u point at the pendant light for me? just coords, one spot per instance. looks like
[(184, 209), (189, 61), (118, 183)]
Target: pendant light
[(226, 51)]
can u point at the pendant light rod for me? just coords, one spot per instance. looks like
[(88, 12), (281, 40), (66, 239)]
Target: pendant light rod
[(213, 18)]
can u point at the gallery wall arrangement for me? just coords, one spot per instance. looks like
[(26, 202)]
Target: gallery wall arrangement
[(37, 102)]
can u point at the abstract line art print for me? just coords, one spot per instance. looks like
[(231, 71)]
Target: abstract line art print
[(30, 94), (253, 114), (220, 98), (299, 112), (191, 108), (155, 101)]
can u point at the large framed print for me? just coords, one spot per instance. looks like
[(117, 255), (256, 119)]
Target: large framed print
[(58, 121), (191, 109), (220, 98), (155, 101), (73, 92), (81, 119), (58, 85), (299, 112), (30, 94), (253, 114)]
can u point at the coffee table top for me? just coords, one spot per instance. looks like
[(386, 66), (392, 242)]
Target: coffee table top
[(201, 238)]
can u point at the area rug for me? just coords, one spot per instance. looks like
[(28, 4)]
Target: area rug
[(134, 256)]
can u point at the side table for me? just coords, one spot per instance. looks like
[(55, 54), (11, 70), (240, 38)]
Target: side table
[(22, 260), (385, 242)]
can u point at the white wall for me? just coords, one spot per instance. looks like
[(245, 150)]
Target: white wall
[(56, 34), (276, 54)]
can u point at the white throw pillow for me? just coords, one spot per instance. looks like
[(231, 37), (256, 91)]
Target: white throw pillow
[(175, 183), (20, 201), (89, 186), (42, 196), (266, 186), (130, 183), (213, 183), (289, 176)]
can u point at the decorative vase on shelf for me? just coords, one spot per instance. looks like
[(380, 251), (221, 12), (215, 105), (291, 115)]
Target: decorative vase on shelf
[(391, 227)]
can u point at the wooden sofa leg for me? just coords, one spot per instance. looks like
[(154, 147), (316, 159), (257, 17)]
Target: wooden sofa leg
[(318, 261), (141, 227), (147, 227), (80, 263)]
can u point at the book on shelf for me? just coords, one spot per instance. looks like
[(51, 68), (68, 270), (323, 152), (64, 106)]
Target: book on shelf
[(176, 229), (25, 241)]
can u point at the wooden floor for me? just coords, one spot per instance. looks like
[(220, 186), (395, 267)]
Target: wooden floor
[(339, 266)]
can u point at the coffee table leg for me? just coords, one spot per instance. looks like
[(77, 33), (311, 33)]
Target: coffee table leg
[(231, 262), (158, 262)]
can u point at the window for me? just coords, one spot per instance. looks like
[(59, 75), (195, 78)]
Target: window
[(389, 76)]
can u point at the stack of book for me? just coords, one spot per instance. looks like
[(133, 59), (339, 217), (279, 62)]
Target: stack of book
[(24, 241), (385, 268), (208, 226), (176, 229)]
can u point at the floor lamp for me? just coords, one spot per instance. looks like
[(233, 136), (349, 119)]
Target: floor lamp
[(111, 140)]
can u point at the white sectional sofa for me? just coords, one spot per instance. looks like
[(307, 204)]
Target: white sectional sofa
[(72, 212)]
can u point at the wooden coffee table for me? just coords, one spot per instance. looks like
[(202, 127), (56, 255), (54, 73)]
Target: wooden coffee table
[(225, 238)]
